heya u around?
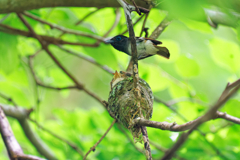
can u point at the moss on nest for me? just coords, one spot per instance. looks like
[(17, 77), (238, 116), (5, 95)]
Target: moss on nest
[(123, 104)]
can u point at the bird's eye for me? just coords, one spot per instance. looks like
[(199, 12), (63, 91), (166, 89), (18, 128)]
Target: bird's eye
[(118, 38)]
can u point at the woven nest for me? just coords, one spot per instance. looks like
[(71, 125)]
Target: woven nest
[(124, 104)]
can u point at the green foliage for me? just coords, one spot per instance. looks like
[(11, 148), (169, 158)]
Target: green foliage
[(202, 61)]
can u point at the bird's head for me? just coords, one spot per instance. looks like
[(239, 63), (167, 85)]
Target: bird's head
[(119, 42)]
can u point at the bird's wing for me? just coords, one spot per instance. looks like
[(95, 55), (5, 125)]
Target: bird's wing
[(154, 41), (142, 57), (139, 39)]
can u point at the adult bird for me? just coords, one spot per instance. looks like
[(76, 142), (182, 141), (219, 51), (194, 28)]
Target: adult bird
[(146, 47)]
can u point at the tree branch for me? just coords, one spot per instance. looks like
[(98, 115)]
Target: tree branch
[(48, 39), (61, 28), (209, 115), (89, 59), (19, 6), (13, 148), (127, 10), (160, 28), (21, 115), (44, 45)]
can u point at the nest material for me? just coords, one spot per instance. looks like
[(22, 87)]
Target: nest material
[(123, 104)]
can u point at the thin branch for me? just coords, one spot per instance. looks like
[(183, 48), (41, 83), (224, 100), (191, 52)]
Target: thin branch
[(5, 17), (72, 145), (144, 22), (137, 9), (8, 99), (94, 147), (157, 146), (138, 20), (117, 19), (86, 16), (65, 30), (39, 83), (228, 117), (165, 125), (89, 59), (160, 28), (48, 39)]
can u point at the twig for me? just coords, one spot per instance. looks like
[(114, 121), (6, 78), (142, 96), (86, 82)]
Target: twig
[(86, 16), (137, 9), (89, 59), (72, 145), (134, 24), (164, 150), (94, 147), (210, 114), (117, 19), (5, 17), (144, 22), (39, 83), (228, 117), (160, 28), (65, 30), (48, 39), (8, 99)]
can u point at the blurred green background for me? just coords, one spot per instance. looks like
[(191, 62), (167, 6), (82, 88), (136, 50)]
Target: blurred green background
[(203, 60)]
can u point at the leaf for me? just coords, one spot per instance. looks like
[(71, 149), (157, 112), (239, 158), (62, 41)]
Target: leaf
[(226, 54), (8, 53), (187, 67)]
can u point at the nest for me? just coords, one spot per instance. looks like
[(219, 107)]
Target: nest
[(125, 106)]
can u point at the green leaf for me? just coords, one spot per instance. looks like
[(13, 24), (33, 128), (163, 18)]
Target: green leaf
[(187, 67), (8, 53), (226, 54)]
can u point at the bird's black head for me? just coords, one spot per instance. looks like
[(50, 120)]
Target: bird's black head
[(120, 43)]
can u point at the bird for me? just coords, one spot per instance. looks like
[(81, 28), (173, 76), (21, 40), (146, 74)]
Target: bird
[(146, 47)]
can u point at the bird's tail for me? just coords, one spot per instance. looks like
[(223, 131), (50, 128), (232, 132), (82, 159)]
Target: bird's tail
[(163, 51)]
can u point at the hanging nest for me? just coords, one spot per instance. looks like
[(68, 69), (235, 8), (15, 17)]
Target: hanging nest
[(123, 102)]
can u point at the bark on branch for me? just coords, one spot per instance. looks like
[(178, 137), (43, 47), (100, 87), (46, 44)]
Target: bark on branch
[(21, 115), (13, 148)]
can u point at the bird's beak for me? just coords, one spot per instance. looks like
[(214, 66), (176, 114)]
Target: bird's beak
[(109, 41)]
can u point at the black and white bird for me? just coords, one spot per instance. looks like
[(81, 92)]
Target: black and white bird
[(146, 47)]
